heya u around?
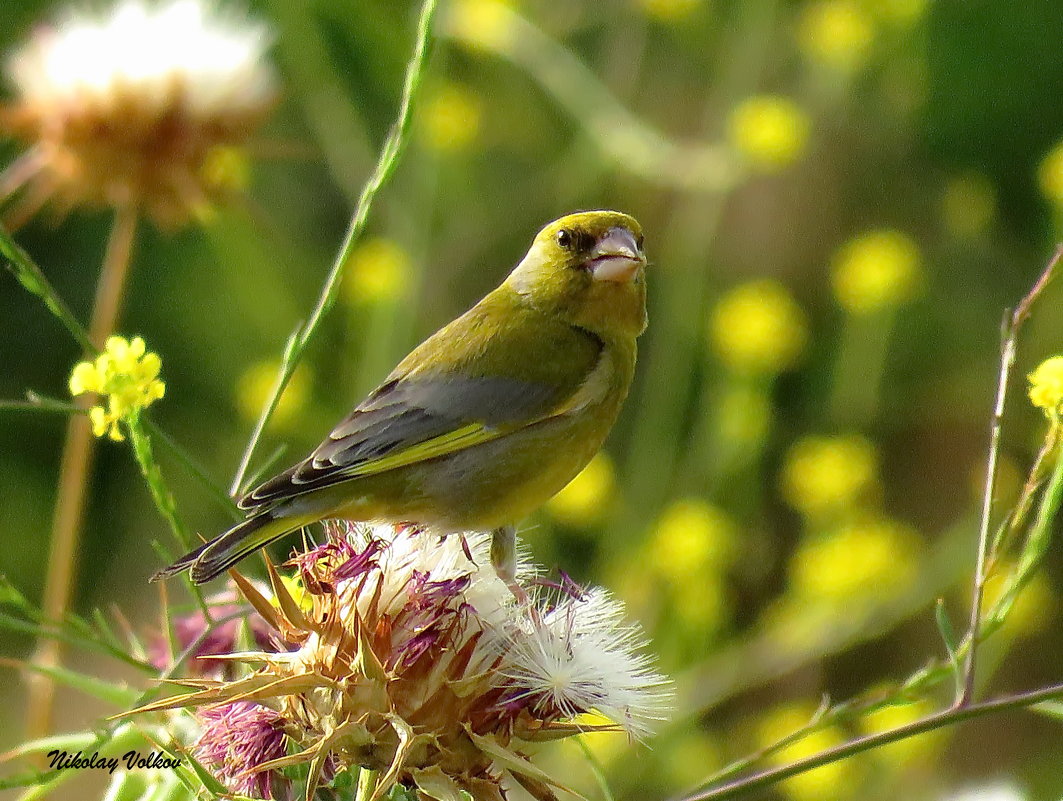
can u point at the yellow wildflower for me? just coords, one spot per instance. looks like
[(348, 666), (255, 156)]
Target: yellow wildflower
[(770, 132), (1046, 387), (584, 500), (827, 781), (669, 10), (968, 205), (894, 716), (876, 559), (450, 118), (1050, 175), (876, 270), (826, 475), (835, 33), (127, 374), (378, 271), (488, 24), (758, 328), (254, 386), (692, 538)]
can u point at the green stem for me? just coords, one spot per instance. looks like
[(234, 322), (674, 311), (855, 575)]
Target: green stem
[(1037, 541), (194, 469), (32, 278), (625, 139), (40, 405), (388, 161), (366, 785), (160, 492), (162, 496), (938, 720)]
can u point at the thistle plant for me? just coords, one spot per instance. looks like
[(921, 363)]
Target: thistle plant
[(409, 658)]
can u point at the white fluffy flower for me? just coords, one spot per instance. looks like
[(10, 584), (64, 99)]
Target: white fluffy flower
[(147, 106), (154, 53), (581, 657)]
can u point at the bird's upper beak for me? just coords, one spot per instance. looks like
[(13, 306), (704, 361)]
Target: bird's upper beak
[(616, 256)]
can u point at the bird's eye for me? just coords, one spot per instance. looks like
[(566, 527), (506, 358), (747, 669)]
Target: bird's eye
[(638, 242), (564, 238)]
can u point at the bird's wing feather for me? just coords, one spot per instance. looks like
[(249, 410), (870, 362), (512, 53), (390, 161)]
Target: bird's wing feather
[(423, 414)]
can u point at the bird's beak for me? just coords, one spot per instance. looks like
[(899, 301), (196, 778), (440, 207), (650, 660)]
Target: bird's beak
[(616, 257)]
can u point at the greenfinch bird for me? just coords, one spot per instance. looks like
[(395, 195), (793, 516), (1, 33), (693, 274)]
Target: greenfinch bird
[(484, 421)]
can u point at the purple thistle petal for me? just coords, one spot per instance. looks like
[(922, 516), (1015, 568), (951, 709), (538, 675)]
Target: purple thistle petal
[(236, 739), (221, 639)]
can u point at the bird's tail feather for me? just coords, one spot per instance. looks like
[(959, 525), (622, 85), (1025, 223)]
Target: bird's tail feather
[(213, 558), (181, 564)]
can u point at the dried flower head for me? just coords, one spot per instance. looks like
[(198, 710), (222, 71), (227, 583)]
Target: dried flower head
[(127, 375), (136, 107), (414, 659)]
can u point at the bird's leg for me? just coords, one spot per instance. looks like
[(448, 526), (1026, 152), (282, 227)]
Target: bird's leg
[(504, 560)]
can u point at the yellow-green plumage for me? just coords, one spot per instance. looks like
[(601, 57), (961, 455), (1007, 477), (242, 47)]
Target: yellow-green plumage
[(487, 418)]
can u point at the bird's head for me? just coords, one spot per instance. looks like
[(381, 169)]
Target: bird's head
[(590, 269)]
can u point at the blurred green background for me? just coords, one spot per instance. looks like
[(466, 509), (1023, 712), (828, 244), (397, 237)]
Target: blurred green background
[(839, 196)]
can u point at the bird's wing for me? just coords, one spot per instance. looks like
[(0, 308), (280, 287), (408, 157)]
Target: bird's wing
[(424, 414)]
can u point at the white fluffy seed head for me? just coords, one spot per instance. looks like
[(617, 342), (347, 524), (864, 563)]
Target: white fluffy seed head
[(581, 657), (152, 54)]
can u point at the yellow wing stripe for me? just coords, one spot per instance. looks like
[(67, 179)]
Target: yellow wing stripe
[(456, 440)]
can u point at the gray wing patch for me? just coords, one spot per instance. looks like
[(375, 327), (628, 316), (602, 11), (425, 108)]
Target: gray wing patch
[(404, 413)]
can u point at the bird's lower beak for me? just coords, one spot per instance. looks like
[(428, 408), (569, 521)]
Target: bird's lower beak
[(616, 257)]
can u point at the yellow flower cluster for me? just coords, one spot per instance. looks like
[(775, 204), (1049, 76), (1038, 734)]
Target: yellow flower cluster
[(378, 271), (757, 328), (825, 476), (1046, 387), (827, 781), (873, 559), (691, 538), (1050, 175), (836, 33), (583, 501), (875, 271), (487, 24), (127, 375), (450, 118), (768, 131)]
